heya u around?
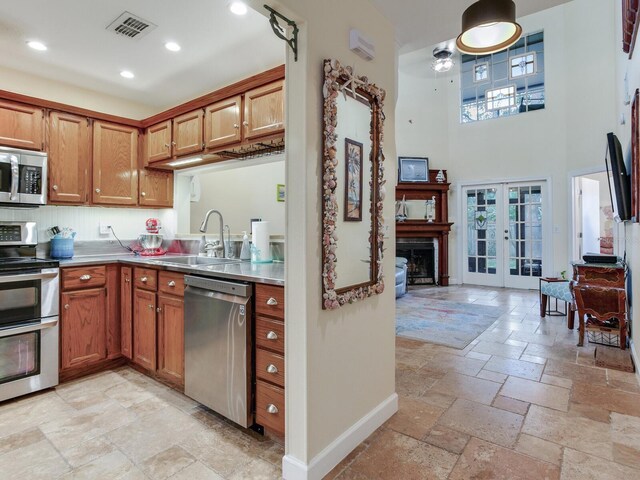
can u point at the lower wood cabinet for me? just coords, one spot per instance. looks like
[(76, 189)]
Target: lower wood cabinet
[(171, 338), (144, 328), (126, 313), (83, 327)]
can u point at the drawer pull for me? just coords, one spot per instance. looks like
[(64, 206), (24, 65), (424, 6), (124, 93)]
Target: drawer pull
[(272, 301), (171, 283), (272, 409), (144, 279), (272, 335), (272, 368), (85, 278)]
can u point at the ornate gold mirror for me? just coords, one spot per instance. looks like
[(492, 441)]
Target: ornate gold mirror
[(352, 187)]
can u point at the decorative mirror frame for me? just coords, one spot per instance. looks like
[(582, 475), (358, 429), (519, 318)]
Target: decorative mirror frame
[(342, 80)]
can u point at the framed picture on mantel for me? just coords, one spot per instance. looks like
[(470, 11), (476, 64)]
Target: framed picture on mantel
[(413, 169)]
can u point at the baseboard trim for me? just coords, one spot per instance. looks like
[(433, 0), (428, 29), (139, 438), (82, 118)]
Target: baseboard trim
[(336, 451)]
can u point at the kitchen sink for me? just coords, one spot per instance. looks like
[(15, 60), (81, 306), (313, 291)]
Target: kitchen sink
[(198, 260)]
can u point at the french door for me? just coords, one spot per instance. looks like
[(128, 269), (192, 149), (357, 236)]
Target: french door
[(503, 234)]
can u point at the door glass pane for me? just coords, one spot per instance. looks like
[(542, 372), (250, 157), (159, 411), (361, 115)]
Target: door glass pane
[(19, 302), (19, 356), (481, 230), (525, 231)]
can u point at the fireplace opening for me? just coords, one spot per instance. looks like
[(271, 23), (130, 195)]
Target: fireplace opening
[(421, 254)]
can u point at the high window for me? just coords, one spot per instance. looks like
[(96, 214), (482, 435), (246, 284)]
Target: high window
[(504, 83)]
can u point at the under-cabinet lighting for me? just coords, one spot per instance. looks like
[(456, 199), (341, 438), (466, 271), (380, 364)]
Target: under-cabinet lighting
[(238, 8), (188, 161), (37, 45), (172, 46)]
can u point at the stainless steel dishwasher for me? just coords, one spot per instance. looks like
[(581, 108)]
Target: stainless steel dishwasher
[(217, 324)]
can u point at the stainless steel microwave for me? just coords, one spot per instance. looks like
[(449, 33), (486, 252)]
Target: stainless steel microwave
[(23, 177)]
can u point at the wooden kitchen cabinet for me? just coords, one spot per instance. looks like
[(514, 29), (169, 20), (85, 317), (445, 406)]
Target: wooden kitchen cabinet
[(187, 133), (158, 141), (156, 188), (264, 110), (69, 158), (21, 126), (115, 164), (222, 122), (144, 328), (83, 327), (171, 338), (126, 313)]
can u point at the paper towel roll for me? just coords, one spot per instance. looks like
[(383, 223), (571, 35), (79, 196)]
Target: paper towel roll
[(260, 240)]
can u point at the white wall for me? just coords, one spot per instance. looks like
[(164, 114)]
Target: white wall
[(242, 193), (568, 134), (340, 364)]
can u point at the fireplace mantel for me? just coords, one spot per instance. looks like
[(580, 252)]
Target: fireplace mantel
[(438, 229)]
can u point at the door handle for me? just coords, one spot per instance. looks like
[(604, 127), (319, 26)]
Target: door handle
[(272, 409), (171, 283), (15, 177), (272, 301), (85, 278), (144, 279), (46, 323), (272, 335), (272, 369)]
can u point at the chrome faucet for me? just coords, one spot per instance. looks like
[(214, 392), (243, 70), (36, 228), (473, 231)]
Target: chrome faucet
[(218, 245)]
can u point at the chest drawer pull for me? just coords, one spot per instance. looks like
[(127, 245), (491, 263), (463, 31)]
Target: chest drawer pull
[(272, 335), (272, 368), (272, 409), (85, 278), (144, 279), (171, 283), (272, 301)]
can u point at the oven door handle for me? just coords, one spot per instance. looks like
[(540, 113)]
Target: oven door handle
[(28, 276), (46, 323), (15, 178)]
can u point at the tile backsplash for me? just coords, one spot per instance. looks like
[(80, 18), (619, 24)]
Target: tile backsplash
[(128, 223)]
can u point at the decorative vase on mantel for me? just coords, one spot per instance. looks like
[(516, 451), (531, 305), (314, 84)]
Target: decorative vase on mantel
[(440, 178)]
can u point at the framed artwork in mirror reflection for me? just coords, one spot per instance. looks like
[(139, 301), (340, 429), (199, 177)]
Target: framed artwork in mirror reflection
[(353, 181), (413, 169)]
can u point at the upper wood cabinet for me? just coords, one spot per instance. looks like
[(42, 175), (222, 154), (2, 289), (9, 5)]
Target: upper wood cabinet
[(69, 158), (156, 188), (264, 110), (115, 164), (187, 133), (21, 126), (158, 138), (222, 122)]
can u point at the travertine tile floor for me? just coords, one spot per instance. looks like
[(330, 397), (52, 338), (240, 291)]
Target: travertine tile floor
[(521, 402)]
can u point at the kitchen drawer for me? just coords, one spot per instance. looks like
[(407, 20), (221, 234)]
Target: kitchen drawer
[(83, 277), (270, 366), (145, 278), (270, 300), (270, 334), (270, 407), (171, 283)]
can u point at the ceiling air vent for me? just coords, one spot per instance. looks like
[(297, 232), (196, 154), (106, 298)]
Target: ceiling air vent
[(131, 26)]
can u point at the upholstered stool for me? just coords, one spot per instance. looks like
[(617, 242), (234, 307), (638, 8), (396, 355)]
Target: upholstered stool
[(560, 290)]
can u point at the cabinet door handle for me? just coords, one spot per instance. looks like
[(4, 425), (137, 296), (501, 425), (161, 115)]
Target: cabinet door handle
[(235, 125), (85, 278), (272, 335), (159, 310), (245, 123), (272, 301), (144, 279), (97, 190), (166, 145), (272, 409), (173, 143), (272, 368), (150, 307), (66, 307), (126, 280), (143, 194), (171, 283), (55, 188)]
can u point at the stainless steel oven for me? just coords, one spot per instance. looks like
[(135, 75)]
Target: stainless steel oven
[(23, 177), (29, 293)]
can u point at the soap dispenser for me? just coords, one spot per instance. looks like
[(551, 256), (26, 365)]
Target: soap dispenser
[(245, 252)]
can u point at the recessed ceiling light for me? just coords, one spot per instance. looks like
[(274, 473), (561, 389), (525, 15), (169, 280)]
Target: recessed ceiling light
[(37, 45), (172, 46), (126, 74), (239, 8)]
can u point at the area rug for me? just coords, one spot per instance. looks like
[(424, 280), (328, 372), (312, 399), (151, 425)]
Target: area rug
[(454, 324)]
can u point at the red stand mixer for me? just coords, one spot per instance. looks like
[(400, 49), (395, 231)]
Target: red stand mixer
[(152, 240)]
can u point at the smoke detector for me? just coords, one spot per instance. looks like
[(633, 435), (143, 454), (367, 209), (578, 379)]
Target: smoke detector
[(443, 61), (131, 26)]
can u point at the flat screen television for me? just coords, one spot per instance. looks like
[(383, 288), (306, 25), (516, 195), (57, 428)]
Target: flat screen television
[(619, 183)]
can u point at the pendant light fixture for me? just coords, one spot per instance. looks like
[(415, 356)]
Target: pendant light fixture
[(443, 61), (488, 26)]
